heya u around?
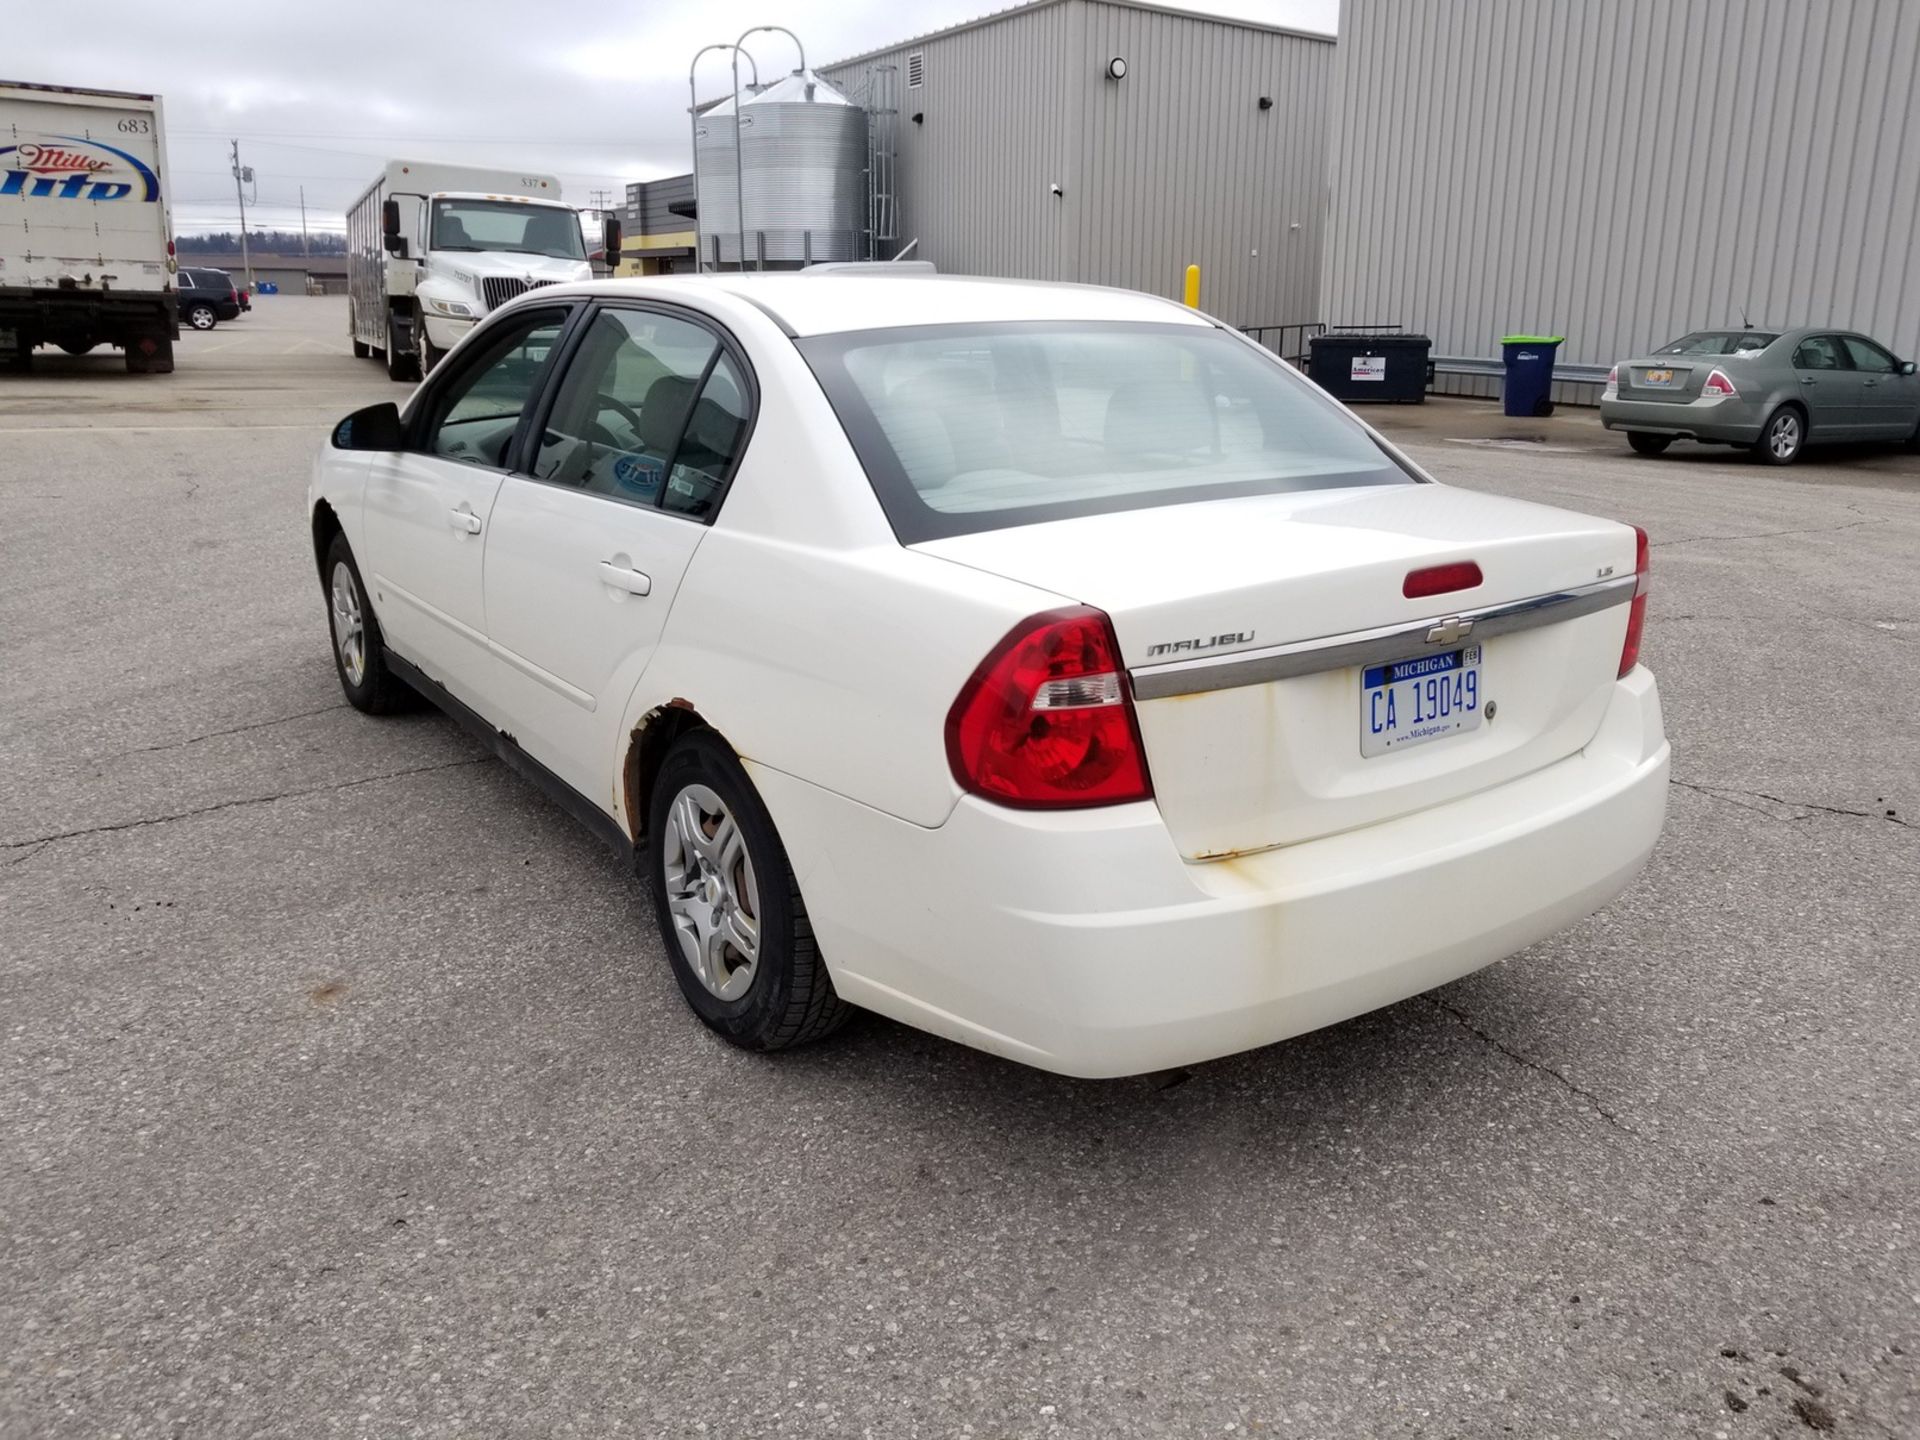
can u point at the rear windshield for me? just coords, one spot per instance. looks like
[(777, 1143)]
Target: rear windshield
[(1720, 342), (976, 427)]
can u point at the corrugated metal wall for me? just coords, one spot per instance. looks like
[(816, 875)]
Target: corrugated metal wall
[(1621, 171), (1175, 164)]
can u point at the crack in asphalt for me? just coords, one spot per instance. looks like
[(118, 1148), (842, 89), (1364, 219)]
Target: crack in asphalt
[(1763, 535), (1527, 1061), (31, 851), (44, 840), (1733, 796), (217, 734)]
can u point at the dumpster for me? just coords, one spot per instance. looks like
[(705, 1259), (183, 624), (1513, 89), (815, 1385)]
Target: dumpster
[(1529, 360), (1360, 367)]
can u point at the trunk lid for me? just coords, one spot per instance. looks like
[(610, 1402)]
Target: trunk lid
[(1673, 379), (1272, 762)]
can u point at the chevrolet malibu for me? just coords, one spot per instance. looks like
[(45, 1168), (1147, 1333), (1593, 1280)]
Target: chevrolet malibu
[(1046, 667)]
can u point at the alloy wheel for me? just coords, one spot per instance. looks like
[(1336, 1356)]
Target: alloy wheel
[(1783, 436), (713, 896), (349, 628)]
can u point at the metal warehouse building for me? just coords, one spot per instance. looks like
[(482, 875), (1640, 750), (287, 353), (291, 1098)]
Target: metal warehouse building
[(1623, 171), (1113, 142)]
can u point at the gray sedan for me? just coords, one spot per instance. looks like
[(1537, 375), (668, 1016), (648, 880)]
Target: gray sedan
[(1773, 391)]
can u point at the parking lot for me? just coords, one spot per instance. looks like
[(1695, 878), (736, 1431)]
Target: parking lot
[(346, 1091)]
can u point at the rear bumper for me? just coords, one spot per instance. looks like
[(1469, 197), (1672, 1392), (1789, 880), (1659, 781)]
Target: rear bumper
[(1083, 943), (1728, 420)]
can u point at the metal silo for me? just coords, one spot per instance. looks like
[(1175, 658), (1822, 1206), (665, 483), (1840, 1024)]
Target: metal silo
[(803, 179), (716, 197)]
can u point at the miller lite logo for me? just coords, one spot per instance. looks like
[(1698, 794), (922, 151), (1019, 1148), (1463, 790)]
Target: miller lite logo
[(67, 167)]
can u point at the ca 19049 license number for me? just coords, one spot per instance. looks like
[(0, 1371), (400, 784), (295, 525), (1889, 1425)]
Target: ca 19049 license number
[(1409, 702)]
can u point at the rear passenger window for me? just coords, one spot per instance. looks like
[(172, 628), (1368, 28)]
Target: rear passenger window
[(710, 446), (651, 411), (621, 409), (1819, 352)]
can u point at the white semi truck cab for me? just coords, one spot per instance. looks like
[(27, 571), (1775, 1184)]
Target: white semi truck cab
[(432, 248)]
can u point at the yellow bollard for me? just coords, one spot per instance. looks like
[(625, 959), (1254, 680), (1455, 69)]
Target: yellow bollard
[(1193, 287)]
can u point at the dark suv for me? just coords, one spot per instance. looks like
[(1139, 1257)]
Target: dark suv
[(206, 297)]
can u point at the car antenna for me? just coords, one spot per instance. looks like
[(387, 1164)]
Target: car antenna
[(1745, 323)]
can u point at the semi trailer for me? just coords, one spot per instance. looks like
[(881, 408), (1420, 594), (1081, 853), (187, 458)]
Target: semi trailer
[(86, 242)]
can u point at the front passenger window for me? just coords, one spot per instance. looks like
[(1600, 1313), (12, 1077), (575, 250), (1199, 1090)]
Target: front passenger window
[(1869, 356), (475, 414)]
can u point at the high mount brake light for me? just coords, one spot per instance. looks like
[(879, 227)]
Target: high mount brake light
[(1046, 721), (1637, 612), (1440, 579)]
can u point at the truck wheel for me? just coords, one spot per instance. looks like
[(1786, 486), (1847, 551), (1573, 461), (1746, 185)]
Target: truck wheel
[(201, 317), (75, 347), (400, 366), (149, 355)]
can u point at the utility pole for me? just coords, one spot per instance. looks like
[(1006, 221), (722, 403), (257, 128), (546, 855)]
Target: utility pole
[(242, 173), (305, 253)]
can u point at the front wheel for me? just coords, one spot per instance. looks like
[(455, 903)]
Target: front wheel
[(201, 317), (1783, 437), (735, 928), (1644, 443), (359, 654)]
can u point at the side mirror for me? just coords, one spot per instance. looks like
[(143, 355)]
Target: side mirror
[(395, 242), (375, 428), (1907, 367), (610, 242)]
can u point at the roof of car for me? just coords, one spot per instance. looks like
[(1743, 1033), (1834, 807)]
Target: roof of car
[(830, 302)]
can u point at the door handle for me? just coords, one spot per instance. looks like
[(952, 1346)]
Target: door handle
[(1808, 380), (624, 577), (464, 519), (1869, 383)]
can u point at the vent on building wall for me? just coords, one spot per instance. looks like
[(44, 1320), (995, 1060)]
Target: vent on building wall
[(916, 69)]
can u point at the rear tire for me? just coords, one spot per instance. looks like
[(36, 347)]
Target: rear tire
[(74, 347), (201, 317), (728, 888), (1783, 437), (359, 653), (1644, 443)]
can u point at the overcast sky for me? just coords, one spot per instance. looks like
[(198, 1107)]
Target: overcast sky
[(319, 94)]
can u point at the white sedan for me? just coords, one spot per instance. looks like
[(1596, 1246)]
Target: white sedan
[(1046, 667)]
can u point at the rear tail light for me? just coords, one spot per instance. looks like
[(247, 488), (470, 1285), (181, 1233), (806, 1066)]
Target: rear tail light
[(1440, 579), (1637, 612), (1046, 722), (1719, 386), (1612, 386)]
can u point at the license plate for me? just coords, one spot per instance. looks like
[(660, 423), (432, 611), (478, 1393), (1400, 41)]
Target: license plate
[(1659, 379), (1409, 702)]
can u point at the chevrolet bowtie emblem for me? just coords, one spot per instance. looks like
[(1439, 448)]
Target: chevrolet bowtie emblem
[(1449, 630)]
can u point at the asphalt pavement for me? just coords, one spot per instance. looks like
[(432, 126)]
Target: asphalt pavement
[(345, 1090)]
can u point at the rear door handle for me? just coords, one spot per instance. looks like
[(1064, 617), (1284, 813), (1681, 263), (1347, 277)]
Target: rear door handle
[(625, 577), (463, 518), (1808, 380)]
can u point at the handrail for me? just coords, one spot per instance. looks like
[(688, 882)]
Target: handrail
[(693, 121)]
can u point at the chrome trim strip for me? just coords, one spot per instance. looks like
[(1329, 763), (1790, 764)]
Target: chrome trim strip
[(1365, 647)]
